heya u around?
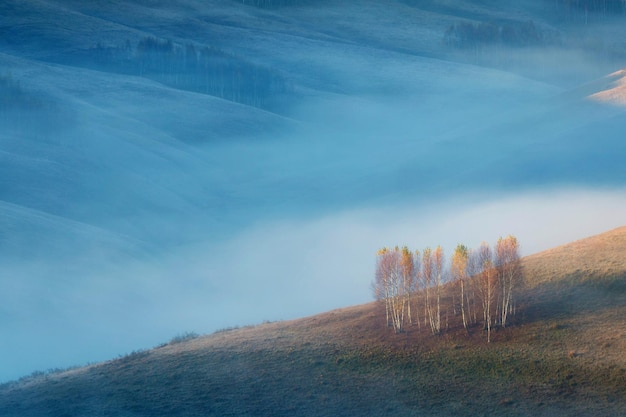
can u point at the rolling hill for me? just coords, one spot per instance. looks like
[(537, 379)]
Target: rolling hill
[(564, 356), (194, 111), (161, 161)]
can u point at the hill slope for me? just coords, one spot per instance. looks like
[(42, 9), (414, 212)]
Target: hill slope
[(564, 358)]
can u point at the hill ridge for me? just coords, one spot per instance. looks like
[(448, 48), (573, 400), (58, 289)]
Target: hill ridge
[(598, 254)]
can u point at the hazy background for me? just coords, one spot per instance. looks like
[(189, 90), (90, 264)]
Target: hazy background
[(133, 208)]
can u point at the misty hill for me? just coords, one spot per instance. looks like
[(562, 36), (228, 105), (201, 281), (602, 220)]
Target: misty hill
[(151, 150), (178, 75), (159, 107), (563, 357)]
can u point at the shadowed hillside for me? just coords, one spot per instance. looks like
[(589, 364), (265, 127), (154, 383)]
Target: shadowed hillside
[(564, 358)]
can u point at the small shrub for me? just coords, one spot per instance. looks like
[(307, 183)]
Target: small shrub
[(557, 326), (134, 355), (184, 337), (226, 329)]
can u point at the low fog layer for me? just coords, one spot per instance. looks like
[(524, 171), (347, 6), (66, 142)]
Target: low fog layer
[(272, 271), (133, 209)]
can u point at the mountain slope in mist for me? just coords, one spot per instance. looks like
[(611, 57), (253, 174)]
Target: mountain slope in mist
[(152, 145), (563, 358), (149, 150)]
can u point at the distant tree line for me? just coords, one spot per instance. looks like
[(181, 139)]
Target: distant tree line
[(13, 96), (420, 289), (206, 70), (581, 12), (513, 34), (273, 3), (27, 110), (606, 7)]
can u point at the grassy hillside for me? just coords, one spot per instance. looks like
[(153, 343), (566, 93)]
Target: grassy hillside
[(565, 356)]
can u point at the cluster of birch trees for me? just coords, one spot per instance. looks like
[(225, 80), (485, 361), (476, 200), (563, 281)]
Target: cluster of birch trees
[(421, 289)]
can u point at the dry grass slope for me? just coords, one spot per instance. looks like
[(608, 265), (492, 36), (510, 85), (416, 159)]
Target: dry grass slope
[(600, 257), (565, 358)]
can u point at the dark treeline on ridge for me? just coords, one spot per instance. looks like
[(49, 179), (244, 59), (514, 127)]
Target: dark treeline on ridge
[(419, 290), (270, 4), (13, 96), (517, 34), (24, 110), (563, 24), (596, 6), (202, 69)]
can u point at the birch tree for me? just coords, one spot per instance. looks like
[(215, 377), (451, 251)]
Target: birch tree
[(390, 286), (486, 284), (438, 271), (407, 267), (381, 285), (458, 269), (508, 266), (427, 282), (417, 276)]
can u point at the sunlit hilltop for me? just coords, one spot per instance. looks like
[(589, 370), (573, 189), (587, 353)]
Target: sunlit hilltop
[(615, 92)]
